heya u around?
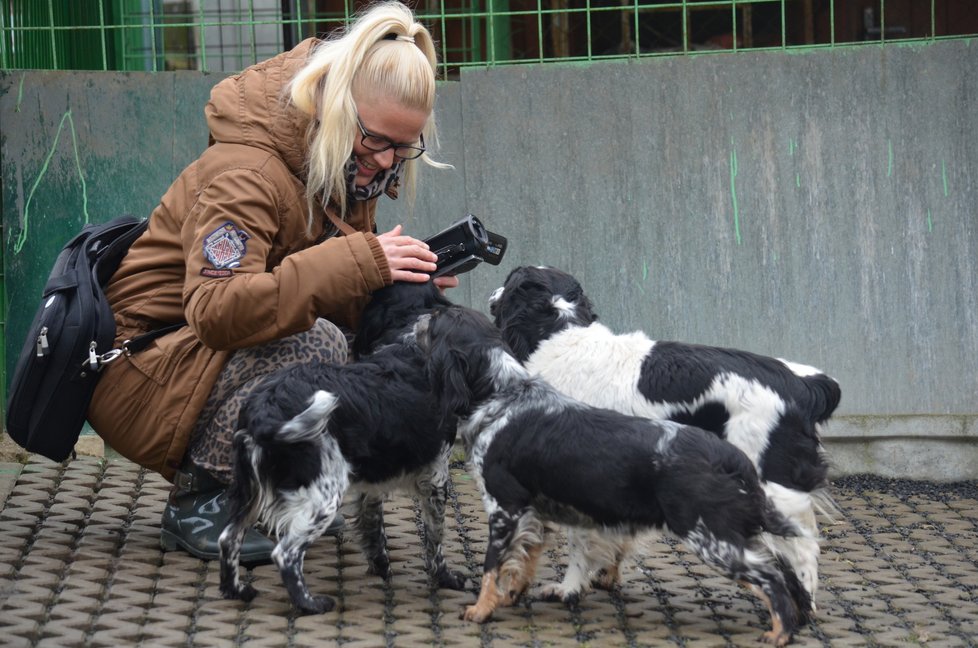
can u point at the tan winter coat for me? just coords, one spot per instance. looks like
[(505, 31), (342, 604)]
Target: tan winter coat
[(228, 250)]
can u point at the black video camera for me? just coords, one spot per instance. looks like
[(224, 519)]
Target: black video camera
[(464, 245)]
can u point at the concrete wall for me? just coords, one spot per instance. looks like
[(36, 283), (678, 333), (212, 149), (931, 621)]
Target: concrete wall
[(817, 206)]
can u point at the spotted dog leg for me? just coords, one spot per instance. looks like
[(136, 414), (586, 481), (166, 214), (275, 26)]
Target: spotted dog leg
[(522, 580), (577, 578), (372, 535), (608, 576), (776, 585), (243, 513), (230, 550), (502, 530), (308, 519), (433, 493), (289, 555)]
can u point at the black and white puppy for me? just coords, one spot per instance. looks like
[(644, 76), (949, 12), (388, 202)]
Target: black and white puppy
[(310, 432), (769, 408), (541, 458)]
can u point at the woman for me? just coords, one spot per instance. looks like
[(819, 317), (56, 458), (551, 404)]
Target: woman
[(265, 272)]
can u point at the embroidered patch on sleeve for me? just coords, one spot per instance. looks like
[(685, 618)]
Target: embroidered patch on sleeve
[(225, 246), (215, 273)]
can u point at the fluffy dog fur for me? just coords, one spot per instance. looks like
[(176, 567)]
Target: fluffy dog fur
[(767, 407), (540, 457), (311, 431)]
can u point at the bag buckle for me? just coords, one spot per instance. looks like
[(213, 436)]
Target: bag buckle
[(184, 481), (96, 361)]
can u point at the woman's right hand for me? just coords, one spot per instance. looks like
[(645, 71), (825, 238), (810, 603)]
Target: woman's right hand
[(409, 258)]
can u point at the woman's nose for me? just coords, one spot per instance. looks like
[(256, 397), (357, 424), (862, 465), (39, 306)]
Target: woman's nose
[(384, 159)]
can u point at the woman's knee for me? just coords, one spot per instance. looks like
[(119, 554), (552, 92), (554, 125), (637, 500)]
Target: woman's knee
[(328, 342)]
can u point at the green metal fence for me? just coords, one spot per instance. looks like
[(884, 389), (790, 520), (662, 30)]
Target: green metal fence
[(228, 35)]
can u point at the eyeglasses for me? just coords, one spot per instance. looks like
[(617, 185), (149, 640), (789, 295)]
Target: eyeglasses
[(376, 143)]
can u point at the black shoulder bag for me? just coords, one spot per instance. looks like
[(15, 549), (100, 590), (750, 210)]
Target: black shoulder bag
[(71, 339)]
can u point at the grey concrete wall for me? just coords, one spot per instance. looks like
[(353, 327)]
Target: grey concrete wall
[(817, 206)]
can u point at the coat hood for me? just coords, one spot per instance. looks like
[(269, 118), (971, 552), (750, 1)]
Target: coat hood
[(253, 108)]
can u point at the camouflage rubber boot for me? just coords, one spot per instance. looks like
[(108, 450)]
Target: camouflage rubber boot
[(197, 512)]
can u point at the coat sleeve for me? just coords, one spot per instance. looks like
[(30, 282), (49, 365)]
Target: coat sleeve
[(235, 297)]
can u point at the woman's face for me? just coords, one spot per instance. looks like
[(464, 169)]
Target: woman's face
[(391, 121)]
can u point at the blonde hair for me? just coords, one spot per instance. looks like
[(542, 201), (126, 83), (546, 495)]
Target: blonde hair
[(385, 53)]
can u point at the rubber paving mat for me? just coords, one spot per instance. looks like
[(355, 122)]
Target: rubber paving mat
[(81, 566)]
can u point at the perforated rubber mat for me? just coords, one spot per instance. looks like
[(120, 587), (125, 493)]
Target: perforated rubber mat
[(81, 565)]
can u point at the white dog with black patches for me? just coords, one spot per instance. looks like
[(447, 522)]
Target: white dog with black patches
[(542, 458), (769, 408)]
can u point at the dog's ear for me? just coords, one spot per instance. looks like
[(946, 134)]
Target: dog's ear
[(525, 315), (371, 328), (447, 371)]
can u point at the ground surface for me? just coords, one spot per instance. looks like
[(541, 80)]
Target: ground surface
[(80, 564)]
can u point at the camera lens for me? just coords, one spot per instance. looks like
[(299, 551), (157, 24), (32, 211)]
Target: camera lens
[(478, 231)]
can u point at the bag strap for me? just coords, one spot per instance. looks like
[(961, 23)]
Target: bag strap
[(98, 361), (342, 226), (140, 342)]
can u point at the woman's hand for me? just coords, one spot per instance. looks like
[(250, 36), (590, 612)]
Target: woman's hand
[(409, 259), (446, 281)]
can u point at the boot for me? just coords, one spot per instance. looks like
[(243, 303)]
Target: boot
[(195, 516)]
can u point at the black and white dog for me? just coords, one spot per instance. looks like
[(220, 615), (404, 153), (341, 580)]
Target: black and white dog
[(540, 458), (769, 408), (312, 431)]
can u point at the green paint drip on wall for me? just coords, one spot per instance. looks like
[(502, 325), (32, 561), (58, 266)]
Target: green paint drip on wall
[(645, 270), (22, 237), (889, 158), (944, 176), (930, 222), (733, 191), (798, 180), (20, 92)]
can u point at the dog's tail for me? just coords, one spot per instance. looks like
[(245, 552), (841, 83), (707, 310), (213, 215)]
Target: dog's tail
[(247, 491), (309, 424), (800, 596), (799, 547), (793, 551), (824, 394)]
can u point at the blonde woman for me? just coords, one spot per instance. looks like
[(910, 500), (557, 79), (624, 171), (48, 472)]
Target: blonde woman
[(266, 247)]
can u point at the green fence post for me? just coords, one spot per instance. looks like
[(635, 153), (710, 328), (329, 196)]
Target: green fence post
[(499, 31)]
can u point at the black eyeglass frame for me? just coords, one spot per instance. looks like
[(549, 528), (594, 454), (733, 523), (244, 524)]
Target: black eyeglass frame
[(414, 151)]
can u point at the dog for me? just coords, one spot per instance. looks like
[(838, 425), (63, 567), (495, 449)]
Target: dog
[(539, 457), (310, 432), (770, 408)]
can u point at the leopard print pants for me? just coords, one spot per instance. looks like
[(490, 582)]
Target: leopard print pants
[(210, 441)]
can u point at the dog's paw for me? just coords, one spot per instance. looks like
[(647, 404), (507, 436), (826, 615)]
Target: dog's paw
[(510, 598), (245, 593), (451, 579), (557, 593), (476, 614), (606, 579), (317, 605), (779, 639), (380, 567)]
